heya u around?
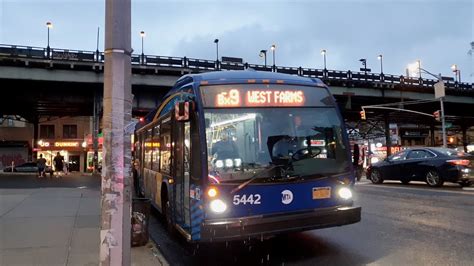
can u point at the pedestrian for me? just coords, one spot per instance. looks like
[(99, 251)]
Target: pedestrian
[(58, 164), (355, 161), (41, 163), (66, 168)]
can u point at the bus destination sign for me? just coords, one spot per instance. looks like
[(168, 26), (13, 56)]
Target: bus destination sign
[(259, 97)]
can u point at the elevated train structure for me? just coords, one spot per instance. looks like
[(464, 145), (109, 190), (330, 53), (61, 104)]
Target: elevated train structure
[(39, 82)]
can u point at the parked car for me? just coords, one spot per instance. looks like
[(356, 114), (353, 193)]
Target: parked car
[(432, 165), (29, 167)]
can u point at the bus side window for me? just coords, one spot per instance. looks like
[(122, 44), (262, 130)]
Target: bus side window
[(165, 148), (156, 148), (148, 149)]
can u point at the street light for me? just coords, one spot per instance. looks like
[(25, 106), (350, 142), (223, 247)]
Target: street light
[(216, 41), (419, 67), (273, 50), (49, 25), (457, 72), (323, 53), (438, 85), (142, 35), (263, 53), (380, 57)]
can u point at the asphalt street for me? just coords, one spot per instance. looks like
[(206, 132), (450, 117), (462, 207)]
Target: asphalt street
[(401, 225)]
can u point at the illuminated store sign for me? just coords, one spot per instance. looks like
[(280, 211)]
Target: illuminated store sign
[(66, 144), (265, 97)]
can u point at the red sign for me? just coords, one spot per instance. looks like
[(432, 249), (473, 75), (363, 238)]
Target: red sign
[(260, 97)]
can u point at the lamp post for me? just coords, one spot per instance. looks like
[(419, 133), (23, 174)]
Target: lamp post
[(49, 25), (380, 57), (439, 85), (142, 35), (263, 53), (216, 41), (419, 68), (323, 53), (273, 48), (457, 73)]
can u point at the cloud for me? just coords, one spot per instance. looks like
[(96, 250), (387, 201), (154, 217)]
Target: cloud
[(437, 32)]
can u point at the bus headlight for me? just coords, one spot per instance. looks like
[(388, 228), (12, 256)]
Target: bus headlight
[(345, 193), (219, 164), (218, 206), (229, 163)]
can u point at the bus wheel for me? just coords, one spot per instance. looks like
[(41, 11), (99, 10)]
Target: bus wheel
[(168, 219)]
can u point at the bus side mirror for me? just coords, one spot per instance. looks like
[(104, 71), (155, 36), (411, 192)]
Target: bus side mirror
[(182, 110)]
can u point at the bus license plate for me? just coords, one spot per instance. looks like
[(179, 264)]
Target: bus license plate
[(321, 192)]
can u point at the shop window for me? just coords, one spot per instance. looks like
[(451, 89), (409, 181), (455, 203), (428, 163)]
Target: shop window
[(47, 131), (70, 131)]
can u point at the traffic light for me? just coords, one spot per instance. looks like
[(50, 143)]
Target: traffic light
[(141, 119), (362, 115), (437, 115)]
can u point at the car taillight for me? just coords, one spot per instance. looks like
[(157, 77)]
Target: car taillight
[(459, 162)]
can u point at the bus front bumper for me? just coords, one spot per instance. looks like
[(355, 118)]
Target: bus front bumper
[(264, 226)]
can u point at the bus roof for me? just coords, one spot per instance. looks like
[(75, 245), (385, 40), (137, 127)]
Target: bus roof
[(223, 77)]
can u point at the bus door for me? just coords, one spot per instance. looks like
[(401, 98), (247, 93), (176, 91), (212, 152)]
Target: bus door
[(181, 136)]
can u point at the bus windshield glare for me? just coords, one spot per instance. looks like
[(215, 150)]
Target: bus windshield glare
[(271, 143)]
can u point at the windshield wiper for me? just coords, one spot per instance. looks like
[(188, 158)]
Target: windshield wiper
[(244, 184)]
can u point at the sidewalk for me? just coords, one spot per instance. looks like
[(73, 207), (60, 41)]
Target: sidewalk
[(56, 226)]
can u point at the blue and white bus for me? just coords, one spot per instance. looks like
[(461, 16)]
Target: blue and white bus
[(245, 154)]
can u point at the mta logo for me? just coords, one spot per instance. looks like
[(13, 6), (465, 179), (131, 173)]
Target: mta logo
[(286, 197)]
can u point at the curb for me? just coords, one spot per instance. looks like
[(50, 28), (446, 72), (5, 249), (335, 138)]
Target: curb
[(157, 253)]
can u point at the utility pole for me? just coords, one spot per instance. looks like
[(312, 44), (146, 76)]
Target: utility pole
[(115, 196)]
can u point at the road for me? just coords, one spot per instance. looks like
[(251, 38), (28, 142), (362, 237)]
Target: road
[(401, 225)]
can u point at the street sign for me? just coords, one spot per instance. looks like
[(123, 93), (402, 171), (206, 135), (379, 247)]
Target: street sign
[(365, 69), (439, 89)]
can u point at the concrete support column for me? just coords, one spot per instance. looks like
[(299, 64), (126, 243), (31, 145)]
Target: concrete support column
[(464, 137), (115, 201), (34, 145), (432, 134), (388, 139), (95, 132)]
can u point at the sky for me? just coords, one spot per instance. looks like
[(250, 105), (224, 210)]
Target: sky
[(436, 32)]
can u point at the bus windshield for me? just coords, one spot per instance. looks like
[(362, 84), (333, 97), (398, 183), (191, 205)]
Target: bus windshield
[(272, 144)]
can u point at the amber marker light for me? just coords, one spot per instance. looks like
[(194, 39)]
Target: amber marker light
[(212, 192)]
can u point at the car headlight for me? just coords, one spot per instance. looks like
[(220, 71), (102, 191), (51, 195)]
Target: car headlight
[(218, 206), (345, 193), (229, 163), (219, 163), (237, 162)]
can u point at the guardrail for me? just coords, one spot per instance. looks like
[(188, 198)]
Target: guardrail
[(54, 54)]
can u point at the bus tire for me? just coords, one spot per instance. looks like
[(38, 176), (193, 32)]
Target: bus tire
[(166, 211)]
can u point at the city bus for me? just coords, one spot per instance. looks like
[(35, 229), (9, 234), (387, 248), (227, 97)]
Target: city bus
[(246, 154)]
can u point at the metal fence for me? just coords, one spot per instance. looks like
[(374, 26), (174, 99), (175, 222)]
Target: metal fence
[(66, 55)]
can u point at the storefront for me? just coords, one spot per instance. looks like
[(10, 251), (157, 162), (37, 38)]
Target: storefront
[(72, 150), (90, 152)]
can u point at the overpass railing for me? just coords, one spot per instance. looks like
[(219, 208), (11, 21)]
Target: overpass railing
[(67, 55)]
